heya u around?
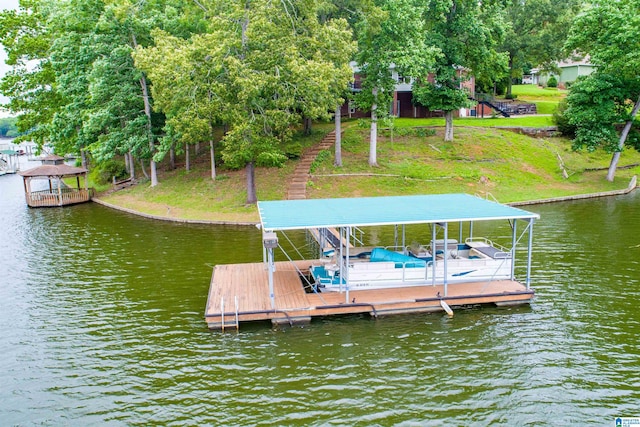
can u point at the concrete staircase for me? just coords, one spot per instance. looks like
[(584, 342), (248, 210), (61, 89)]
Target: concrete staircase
[(298, 184)]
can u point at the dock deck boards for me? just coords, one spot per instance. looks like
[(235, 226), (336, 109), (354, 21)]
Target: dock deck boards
[(249, 284)]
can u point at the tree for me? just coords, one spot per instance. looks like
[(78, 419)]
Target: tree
[(466, 32), (536, 32), (31, 84), (610, 33), (260, 69), (390, 37)]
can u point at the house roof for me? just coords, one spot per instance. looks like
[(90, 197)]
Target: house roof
[(371, 211)]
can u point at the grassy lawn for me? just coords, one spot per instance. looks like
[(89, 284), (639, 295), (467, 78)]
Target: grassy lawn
[(510, 166), (529, 121), (546, 99), (481, 160), (535, 92)]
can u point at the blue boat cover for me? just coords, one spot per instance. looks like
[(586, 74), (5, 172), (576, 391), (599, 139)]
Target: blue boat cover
[(384, 255)]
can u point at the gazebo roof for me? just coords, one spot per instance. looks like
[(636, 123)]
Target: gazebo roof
[(53, 171)]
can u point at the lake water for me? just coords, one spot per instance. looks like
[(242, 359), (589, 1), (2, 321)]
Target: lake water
[(101, 323)]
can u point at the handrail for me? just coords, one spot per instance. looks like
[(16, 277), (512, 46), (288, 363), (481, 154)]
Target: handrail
[(360, 240)]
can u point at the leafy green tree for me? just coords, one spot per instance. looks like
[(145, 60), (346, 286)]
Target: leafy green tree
[(536, 33), (31, 84), (72, 53), (390, 37), (8, 128), (260, 68), (184, 89), (610, 33), (466, 32)]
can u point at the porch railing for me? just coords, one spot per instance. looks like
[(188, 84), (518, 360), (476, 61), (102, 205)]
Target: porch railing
[(67, 196)]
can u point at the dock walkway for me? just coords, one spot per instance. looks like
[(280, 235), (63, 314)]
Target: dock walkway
[(248, 285)]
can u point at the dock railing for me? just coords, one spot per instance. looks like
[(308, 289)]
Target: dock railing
[(66, 196)]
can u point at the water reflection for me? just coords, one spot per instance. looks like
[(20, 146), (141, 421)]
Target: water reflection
[(101, 322)]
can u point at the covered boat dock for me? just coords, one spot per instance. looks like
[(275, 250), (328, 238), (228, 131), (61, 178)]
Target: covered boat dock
[(278, 291)]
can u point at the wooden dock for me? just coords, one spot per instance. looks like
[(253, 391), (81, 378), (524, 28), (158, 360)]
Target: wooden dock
[(240, 293)]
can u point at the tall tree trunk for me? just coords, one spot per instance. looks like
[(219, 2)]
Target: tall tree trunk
[(338, 145), (172, 157), (83, 155), (127, 167), (373, 137), (623, 138), (448, 129), (509, 81), (251, 184), (187, 159), (307, 125), (147, 112), (144, 171), (213, 161), (132, 170)]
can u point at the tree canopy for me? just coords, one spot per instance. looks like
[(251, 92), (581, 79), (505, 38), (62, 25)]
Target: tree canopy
[(466, 32), (259, 69), (609, 32)]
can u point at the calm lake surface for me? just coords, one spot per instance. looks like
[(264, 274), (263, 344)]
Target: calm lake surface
[(101, 323)]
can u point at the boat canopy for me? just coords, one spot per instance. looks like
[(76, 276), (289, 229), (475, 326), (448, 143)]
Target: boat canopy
[(374, 211)]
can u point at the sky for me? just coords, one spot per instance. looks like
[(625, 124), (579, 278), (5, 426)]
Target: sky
[(5, 4)]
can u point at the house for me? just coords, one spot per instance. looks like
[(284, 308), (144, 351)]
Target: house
[(569, 71), (403, 105)]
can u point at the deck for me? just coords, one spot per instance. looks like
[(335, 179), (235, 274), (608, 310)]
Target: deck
[(248, 285)]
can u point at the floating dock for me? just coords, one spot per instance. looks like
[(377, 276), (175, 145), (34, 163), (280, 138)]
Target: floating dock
[(248, 285), (348, 280)]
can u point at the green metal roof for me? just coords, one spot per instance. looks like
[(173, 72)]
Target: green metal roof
[(370, 211)]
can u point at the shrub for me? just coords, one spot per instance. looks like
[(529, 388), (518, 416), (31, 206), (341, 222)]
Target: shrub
[(562, 122), (552, 82), (104, 172), (510, 96)]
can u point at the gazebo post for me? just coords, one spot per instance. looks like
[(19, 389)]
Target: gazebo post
[(60, 190), (27, 191)]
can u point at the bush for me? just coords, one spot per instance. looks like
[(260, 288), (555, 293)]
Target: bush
[(510, 96), (562, 122), (104, 172), (552, 82)]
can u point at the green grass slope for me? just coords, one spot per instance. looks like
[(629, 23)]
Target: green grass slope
[(509, 166)]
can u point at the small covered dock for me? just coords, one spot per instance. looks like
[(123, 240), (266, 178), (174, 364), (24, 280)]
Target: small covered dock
[(9, 162), (281, 292), (56, 192)]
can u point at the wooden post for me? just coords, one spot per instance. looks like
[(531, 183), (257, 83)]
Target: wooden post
[(59, 191)]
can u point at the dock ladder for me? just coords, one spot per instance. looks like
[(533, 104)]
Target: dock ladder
[(234, 322)]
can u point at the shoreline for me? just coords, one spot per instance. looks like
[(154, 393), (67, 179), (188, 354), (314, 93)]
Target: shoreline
[(631, 187)]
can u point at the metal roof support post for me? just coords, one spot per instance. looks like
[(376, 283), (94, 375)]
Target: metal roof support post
[(264, 256), (514, 240), (341, 257), (446, 255), (404, 236), (395, 235), (433, 254), (460, 234), (270, 242), (271, 267), (346, 276), (529, 250)]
